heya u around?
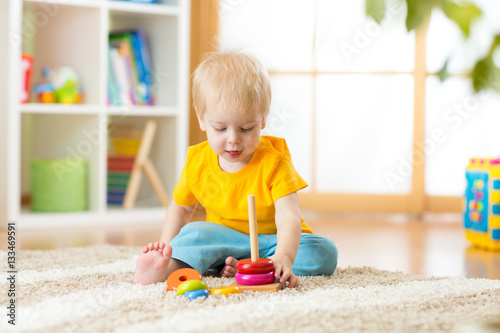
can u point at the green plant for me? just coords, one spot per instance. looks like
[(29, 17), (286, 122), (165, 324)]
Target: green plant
[(485, 74)]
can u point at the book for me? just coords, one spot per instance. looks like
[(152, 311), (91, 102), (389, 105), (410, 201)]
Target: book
[(144, 70), (113, 89), (121, 77), (131, 64)]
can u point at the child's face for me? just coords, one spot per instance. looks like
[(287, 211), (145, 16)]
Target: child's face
[(234, 136)]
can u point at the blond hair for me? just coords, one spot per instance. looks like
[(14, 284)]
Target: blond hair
[(231, 80)]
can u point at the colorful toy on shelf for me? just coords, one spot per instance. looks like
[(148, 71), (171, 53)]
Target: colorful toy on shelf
[(66, 86), (45, 89), (255, 273), (482, 203), (27, 66), (59, 86), (55, 187)]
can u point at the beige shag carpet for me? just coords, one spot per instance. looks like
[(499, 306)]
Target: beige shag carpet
[(89, 290)]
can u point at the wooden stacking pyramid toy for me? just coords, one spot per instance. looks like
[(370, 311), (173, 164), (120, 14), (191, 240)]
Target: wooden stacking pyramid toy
[(255, 273)]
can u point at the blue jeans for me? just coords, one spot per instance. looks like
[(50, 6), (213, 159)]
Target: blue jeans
[(205, 246)]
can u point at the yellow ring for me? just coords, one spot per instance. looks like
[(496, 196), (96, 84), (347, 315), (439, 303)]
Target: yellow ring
[(225, 291)]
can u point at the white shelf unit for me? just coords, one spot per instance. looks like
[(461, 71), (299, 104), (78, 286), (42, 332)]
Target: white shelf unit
[(75, 33)]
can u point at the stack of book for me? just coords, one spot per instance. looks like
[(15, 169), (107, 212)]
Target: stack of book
[(119, 170), (124, 144), (130, 76)]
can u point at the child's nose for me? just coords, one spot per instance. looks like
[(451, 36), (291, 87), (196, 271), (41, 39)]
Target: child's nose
[(233, 137)]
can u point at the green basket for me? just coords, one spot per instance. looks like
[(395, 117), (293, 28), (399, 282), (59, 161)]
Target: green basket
[(59, 185)]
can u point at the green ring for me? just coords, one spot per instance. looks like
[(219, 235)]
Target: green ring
[(190, 286)]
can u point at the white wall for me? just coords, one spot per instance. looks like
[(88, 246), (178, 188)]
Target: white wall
[(4, 24)]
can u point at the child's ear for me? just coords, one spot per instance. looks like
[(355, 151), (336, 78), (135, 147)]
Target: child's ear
[(203, 127), (263, 123)]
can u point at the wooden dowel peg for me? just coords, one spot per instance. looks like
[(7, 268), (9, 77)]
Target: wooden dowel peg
[(252, 219)]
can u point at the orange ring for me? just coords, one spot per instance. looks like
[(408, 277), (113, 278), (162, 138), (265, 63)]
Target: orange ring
[(181, 275)]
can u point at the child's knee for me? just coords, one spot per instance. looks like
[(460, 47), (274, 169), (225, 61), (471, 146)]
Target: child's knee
[(331, 254), (320, 257), (325, 257)]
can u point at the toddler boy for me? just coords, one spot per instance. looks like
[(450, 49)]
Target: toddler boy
[(232, 97)]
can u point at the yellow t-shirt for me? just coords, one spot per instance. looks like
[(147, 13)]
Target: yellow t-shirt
[(269, 175)]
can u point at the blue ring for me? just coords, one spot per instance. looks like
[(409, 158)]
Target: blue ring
[(194, 294)]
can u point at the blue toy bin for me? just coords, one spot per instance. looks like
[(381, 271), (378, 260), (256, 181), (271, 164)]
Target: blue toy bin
[(59, 185)]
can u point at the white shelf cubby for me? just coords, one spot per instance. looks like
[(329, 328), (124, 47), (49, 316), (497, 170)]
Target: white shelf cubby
[(75, 34)]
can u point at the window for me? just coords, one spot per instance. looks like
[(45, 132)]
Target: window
[(351, 96), (468, 121)]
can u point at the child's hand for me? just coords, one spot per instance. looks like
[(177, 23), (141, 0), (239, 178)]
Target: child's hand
[(283, 270)]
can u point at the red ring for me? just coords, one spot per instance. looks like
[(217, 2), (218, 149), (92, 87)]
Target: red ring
[(247, 266)]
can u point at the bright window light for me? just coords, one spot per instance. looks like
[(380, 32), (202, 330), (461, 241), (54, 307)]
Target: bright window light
[(278, 32), (468, 124), (291, 119), (348, 41), (364, 133)]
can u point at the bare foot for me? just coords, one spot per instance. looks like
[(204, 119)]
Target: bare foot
[(152, 263), (229, 269)]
